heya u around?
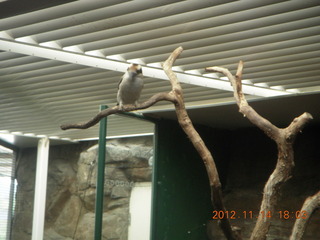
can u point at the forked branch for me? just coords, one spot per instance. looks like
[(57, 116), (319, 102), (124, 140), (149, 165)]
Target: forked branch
[(284, 139)]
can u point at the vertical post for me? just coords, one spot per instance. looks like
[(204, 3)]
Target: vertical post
[(11, 196), (100, 176), (155, 184), (40, 189)]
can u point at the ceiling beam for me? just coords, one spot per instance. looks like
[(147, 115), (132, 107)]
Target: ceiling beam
[(33, 49)]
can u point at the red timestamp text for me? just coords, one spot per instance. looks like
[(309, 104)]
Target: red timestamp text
[(236, 215), (285, 214), (232, 214), (293, 215)]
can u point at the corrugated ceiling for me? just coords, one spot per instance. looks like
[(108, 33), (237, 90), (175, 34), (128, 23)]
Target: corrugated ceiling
[(41, 89)]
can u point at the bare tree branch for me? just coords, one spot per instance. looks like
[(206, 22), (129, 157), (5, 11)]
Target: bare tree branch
[(187, 126), (309, 207), (126, 108), (244, 107), (284, 139)]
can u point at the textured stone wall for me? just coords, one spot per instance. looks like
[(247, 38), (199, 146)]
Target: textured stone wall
[(71, 188)]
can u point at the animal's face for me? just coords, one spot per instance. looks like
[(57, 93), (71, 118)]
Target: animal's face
[(136, 68)]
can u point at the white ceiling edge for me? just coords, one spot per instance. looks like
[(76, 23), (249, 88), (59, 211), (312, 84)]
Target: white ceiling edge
[(28, 140), (10, 45), (118, 136), (22, 140)]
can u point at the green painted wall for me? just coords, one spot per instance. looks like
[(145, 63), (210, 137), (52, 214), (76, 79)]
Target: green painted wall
[(181, 197), (244, 158)]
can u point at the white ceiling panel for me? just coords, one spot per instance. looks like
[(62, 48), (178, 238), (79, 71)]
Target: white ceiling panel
[(58, 63)]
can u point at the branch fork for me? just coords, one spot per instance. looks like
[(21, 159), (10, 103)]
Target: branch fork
[(284, 139)]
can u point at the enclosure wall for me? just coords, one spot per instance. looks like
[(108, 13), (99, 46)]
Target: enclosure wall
[(181, 198)]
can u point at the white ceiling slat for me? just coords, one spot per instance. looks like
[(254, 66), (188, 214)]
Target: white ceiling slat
[(11, 59), (29, 125), (313, 88), (7, 56), (285, 76), (290, 57), (300, 83), (52, 13), (154, 13), (253, 38), (290, 82), (29, 68), (283, 65), (218, 44), (235, 47), (197, 30), (140, 24), (183, 19), (90, 22), (143, 126), (81, 59), (296, 71), (259, 59), (67, 77), (71, 14), (51, 84)]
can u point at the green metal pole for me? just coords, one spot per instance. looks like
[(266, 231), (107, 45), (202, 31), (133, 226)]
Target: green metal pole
[(155, 184), (100, 176)]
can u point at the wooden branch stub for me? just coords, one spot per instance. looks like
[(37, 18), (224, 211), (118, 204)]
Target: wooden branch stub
[(238, 79), (239, 71), (172, 58), (167, 68), (237, 90), (297, 125)]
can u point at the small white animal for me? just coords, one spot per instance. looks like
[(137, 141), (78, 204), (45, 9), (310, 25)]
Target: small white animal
[(130, 86)]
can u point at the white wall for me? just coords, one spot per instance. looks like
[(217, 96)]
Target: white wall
[(140, 212)]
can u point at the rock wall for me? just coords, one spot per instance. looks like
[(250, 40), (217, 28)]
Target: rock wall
[(71, 188)]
